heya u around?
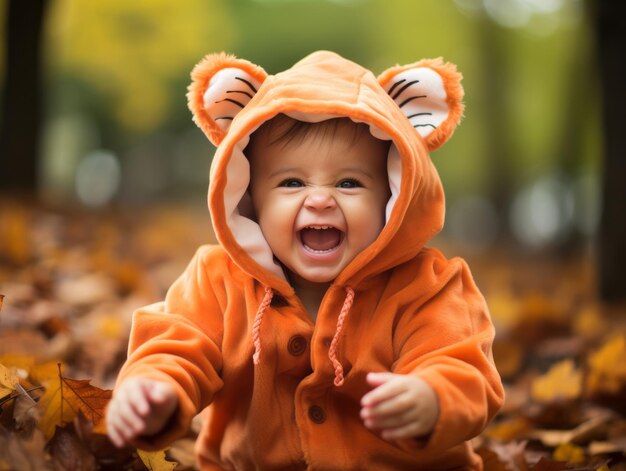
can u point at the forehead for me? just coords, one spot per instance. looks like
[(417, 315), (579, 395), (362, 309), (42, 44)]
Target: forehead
[(329, 143)]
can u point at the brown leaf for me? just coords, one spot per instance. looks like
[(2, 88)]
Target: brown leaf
[(548, 465), (579, 435), (68, 452), (509, 456), (65, 397), (1, 301), (26, 454)]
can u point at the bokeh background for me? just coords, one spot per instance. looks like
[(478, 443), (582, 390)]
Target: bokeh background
[(524, 165), (103, 180), (97, 120)]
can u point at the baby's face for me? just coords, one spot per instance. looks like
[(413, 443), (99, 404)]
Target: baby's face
[(320, 202)]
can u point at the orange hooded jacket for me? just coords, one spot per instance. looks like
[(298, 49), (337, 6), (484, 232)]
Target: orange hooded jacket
[(284, 392)]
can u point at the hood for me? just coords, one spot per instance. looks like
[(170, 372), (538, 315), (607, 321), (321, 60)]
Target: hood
[(416, 106)]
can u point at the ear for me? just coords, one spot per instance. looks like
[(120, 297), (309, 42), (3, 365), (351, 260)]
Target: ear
[(430, 95), (221, 87)]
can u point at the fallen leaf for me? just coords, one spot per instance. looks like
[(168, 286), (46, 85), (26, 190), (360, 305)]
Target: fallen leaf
[(508, 357), (607, 368), (65, 397), (183, 451), (569, 453), (508, 430), (548, 465), (155, 460), (24, 453), (511, 454), (68, 452), (562, 381), (8, 380), (578, 435), (22, 363)]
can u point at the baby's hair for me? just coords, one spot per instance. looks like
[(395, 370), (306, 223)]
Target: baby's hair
[(286, 131)]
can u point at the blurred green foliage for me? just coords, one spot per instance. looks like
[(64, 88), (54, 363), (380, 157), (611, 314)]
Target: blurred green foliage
[(117, 72)]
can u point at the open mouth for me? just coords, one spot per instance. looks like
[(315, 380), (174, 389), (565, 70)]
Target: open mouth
[(321, 239)]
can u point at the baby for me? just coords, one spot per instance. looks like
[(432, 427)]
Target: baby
[(321, 332)]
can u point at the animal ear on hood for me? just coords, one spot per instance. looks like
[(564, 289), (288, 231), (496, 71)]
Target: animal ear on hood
[(429, 94), (222, 85)]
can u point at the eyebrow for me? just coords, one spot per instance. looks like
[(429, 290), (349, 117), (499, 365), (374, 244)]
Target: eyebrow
[(358, 170), (284, 170), (298, 169)]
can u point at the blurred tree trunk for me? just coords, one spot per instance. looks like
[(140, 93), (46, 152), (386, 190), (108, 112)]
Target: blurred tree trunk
[(22, 97), (495, 60), (610, 27)]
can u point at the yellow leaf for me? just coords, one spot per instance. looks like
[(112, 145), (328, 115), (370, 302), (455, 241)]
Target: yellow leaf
[(562, 381), (8, 380), (508, 430), (45, 373), (65, 397), (155, 460), (607, 368), (570, 453)]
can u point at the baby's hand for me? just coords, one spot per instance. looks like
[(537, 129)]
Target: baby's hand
[(140, 407), (401, 406)]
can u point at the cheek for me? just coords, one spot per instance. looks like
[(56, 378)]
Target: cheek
[(276, 214)]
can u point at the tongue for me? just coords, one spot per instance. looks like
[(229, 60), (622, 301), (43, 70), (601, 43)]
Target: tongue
[(321, 239)]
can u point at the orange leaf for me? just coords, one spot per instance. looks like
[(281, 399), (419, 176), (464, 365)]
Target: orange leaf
[(65, 397)]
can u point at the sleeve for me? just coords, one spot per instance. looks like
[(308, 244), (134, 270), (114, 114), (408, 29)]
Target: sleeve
[(178, 341), (446, 339)]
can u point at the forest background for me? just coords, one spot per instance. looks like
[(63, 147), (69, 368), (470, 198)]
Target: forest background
[(103, 181)]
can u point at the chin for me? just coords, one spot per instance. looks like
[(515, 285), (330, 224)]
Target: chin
[(321, 278)]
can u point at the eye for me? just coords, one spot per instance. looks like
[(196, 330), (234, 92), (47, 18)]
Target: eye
[(349, 183), (291, 183)]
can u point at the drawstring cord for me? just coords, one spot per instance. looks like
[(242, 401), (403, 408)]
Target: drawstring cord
[(256, 326), (332, 351)]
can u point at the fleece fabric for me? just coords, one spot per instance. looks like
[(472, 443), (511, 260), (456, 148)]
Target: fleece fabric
[(407, 309)]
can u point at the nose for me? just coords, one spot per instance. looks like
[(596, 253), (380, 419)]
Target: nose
[(320, 199)]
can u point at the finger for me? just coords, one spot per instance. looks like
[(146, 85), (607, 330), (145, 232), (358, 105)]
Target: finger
[(159, 392), (410, 430), (139, 402), (376, 379), (383, 392), (130, 419), (390, 422), (402, 404), (116, 438)]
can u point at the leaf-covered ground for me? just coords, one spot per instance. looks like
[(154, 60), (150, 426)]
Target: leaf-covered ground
[(70, 280)]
